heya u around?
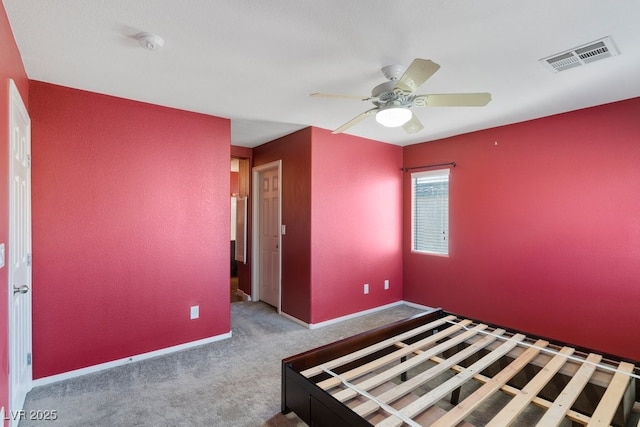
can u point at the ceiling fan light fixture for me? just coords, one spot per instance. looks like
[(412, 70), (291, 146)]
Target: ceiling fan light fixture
[(393, 117)]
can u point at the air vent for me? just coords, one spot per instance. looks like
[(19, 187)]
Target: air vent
[(581, 55)]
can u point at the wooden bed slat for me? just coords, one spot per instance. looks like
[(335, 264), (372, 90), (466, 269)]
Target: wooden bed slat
[(600, 378), (512, 391), (375, 364), (457, 381), (406, 387), (376, 347), (565, 400), (612, 397), (468, 405), (378, 400), (422, 357), (511, 411)]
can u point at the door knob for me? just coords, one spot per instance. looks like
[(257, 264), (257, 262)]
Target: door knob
[(20, 289)]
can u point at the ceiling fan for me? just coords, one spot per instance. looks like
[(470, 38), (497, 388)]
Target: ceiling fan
[(394, 98)]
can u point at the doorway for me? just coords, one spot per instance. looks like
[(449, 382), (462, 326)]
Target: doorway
[(240, 274), (235, 193), (267, 225)]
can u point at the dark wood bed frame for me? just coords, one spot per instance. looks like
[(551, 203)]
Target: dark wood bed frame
[(332, 385)]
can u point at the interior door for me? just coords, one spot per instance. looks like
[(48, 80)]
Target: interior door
[(19, 251), (269, 217)]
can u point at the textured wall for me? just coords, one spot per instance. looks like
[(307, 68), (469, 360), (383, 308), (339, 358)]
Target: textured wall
[(131, 215), (544, 227), (295, 152), (341, 203), (356, 224)]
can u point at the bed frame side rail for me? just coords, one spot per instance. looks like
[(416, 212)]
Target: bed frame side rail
[(308, 401)]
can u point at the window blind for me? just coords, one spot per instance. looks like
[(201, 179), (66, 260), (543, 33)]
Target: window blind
[(430, 211)]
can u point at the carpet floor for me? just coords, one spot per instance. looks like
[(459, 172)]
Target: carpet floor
[(234, 382)]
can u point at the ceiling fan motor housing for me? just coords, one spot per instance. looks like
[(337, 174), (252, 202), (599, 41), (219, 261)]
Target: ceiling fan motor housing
[(384, 95), (383, 88)]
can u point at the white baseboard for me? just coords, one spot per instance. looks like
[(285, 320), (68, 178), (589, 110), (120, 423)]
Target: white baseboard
[(168, 350), (126, 360), (339, 319), (354, 315)]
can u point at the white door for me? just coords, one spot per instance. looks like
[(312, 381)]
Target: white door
[(267, 229), (19, 251)]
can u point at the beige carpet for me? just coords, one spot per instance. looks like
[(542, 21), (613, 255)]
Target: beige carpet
[(234, 382)]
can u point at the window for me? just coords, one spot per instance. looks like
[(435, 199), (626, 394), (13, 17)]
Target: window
[(430, 212)]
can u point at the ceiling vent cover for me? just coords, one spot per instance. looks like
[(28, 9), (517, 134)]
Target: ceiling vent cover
[(581, 55)]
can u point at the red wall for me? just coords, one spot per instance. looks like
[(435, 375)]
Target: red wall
[(131, 215), (295, 152), (356, 224), (341, 203), (241, 152), (544, 227), (10, 68)]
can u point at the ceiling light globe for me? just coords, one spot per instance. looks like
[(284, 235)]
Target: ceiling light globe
[(393, 116)]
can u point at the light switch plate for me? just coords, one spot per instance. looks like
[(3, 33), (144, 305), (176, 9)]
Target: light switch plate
[(1, 255)]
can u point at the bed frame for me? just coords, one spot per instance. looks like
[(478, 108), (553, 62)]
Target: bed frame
[(440, 369)]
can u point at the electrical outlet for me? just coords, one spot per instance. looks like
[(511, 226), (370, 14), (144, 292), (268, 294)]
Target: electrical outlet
[(366, 288), (386, 284), (194, 312)]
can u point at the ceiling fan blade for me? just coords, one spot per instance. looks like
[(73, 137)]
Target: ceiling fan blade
[(355, 120), (417, 73), (453, 100), (414, 124), (335, 95)]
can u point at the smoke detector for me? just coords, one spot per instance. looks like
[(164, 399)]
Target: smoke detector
[(150, 41), (582, 55)]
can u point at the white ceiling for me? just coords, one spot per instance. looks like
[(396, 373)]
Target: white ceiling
[(256, 61)]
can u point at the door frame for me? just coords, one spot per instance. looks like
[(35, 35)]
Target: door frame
[(255, 234), (16, 401)]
